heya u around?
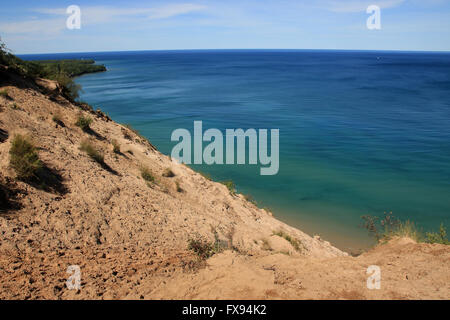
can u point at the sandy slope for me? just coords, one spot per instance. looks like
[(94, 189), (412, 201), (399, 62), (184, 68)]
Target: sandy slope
[(130, 238)]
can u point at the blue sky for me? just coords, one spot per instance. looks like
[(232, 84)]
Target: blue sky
[(40, 26)]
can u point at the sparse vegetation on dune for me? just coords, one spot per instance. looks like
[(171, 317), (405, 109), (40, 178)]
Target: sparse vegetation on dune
[(92, 152), (61, 71), (230, 185), (24, 158), (84, 123), (204, 248), (296, 244), (388, 227), (147, 174)]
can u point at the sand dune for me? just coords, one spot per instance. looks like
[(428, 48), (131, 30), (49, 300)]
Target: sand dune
[(130, 237)]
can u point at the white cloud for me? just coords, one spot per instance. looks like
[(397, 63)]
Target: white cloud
[(359, 5), (105, 14), (41, 26), (56, 22)]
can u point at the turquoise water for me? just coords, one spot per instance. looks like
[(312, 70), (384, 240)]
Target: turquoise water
[(360, 132)]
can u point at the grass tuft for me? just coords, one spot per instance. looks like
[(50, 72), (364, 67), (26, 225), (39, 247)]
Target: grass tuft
[(296, 244), (24, 158), (385, 228), (204, 248), (84, 123), (230, 185), (147, 174), (92, 152)]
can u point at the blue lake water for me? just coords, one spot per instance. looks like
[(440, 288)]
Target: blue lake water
[(360, 132)]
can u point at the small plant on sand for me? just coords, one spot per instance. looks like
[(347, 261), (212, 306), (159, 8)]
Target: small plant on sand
[(4, 93), (438, 237), (389, 227), (116, 146), (296, 244), (205, 249), (84, 123), (24, 158), (147, 175), (168, 173), (92, 152), (230, 185)]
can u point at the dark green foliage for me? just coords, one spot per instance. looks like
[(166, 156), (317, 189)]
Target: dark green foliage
[(61, 71), (26, 68), (70, 67), (70, 89), (24, 158)]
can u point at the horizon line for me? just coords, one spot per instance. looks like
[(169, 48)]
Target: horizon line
[(238, 49)]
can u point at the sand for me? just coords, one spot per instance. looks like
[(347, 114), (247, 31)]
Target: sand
[(130, 237)]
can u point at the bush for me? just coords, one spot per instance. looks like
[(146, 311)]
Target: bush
[(205, 249), (24, 158), (147, 175), (389, 227), (70, 89), (440, 237), (84, 123), (87, 147)]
